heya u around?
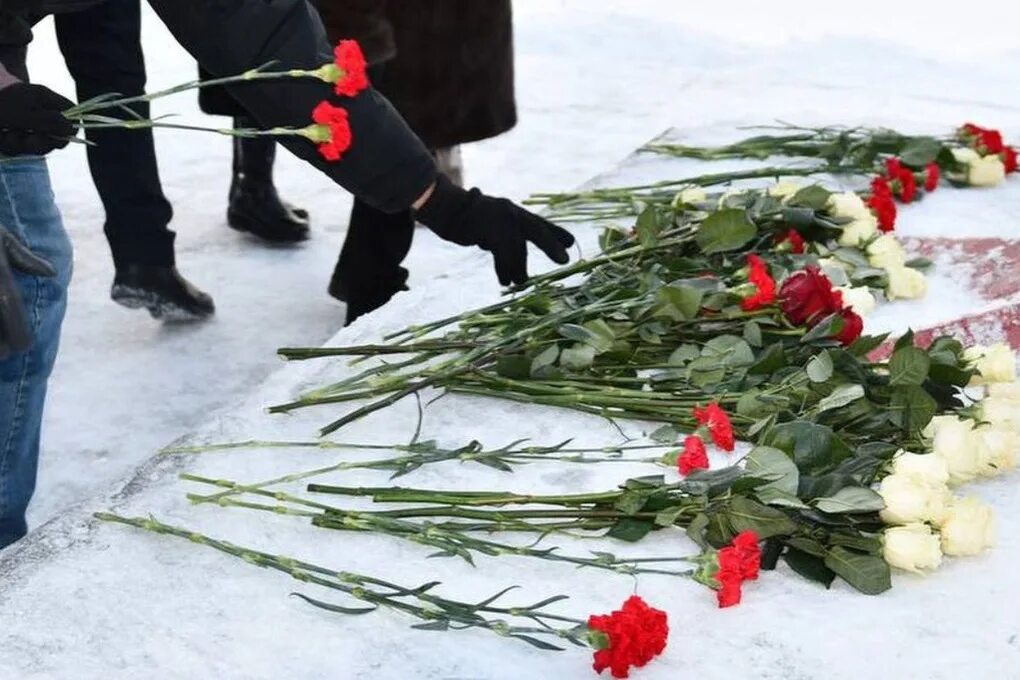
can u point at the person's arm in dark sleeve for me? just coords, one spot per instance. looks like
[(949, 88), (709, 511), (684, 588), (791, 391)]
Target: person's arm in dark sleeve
[(387, 166)]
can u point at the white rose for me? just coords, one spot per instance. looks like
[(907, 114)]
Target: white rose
[(784, 189), (961, 448), (1001, 413), (1006, 390), (906, 283), (969, 528), (912, 548), (965, 155), (996, 364), (909, 500), (1002, 447), (986, 171), (858, 231), (689, 196), (924, 468), (858, 299), (886, 252), (938, 422), (848, 204)]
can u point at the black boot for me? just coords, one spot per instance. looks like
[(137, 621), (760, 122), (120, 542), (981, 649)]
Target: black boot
[(368, 271), (255, 206), (161, 290)]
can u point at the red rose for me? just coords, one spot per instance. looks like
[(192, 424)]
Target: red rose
[(1009, 158), (694, 457), (718, 423), (931, 177), (749, 551), (350, 60), (340, 138), (807, 297), (636, 634), (758, 275), (991, 141), (853, 326)]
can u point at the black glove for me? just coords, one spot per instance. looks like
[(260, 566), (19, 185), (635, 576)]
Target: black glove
[(32, 121), (15, 333), (471, 218)]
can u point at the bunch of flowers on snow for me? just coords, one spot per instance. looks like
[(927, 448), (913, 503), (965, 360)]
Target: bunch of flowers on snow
[(986, 159)]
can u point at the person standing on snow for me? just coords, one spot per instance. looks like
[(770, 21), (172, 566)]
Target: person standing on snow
[(388, 167)]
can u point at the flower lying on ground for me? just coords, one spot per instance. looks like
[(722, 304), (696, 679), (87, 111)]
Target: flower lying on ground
[(628, 637)]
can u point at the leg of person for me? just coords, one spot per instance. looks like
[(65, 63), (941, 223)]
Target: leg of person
[(368, 271), (255, 206), (102, 48), (28, 211)]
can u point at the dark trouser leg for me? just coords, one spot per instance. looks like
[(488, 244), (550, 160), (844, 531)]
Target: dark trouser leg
[(102, 48), (368, 272)]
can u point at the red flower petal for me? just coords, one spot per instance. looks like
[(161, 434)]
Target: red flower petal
[(694, 456)]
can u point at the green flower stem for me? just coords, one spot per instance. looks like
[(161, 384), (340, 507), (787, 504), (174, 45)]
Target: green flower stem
[(417, 602)]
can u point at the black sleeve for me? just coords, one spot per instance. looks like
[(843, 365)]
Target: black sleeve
[(387, 166)]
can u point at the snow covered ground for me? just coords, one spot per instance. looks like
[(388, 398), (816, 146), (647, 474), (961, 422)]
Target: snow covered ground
[(596, 79)]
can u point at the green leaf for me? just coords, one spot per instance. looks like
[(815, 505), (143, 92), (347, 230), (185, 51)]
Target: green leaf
[(826, 328), (752, 334), (772, 359), (668, 517), (775, 466), (705, 371), (648, 226), (840, 397), (516, 367), (696, 530), (631, 502), (912, 407), (682, 354), (908, 366), (819, 367), (667, 434), (725, 230), (905, 340), (546, 357), (850, 500), (807, 545), (866, 344), (867, 573), (678, 303), (578, 357), (809, 566), (630, 530), (814, 196), (920, 151), (730, 350), (744, 514), (610, 237), (814, 448), (770, 496)]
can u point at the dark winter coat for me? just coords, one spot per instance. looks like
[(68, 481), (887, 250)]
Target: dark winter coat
[(16, 19), (453, 76), (364, 20)]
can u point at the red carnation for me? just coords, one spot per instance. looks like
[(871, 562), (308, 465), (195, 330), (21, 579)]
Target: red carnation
[(931, 177), (893, 168), (882, 204), (718, 423), (807, 297), (1009, 158), (351, 61), (765, 293), (853, 326), (694, 457), (970, 129), (796, 241), (730, 577), (903, 178), (335, 119), (748, 548), (631, 636)]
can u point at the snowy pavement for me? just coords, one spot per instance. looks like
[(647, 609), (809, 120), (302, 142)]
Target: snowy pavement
[(84, 601)]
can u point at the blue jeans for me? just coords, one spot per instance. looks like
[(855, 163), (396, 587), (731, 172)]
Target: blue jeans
[(28, 211)]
